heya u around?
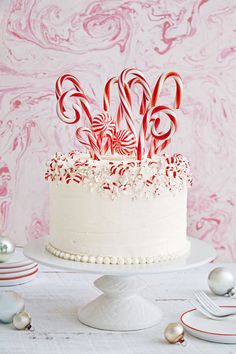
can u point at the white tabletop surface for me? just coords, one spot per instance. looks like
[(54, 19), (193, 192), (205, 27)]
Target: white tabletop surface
[(54, 296)]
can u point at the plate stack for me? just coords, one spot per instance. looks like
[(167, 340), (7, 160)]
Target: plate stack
[(18, 270)]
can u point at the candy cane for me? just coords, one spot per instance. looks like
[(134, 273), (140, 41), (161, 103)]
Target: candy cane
[(107, 99), (157, 136), (125, 95), (124, 142), (146, 92), (159, 85), (67, 77), (61, 110), (91, 143), (160, 136)]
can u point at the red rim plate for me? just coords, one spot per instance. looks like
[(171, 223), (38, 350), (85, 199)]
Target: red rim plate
[(20, 277), (206, 332), (23, 269)]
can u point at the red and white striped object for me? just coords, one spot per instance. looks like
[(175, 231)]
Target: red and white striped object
[(104, 127), (146, 92), (125, 94), (76, 178), (107, 100), (90, 142), (82, 105), (70, 78), (150, 122), (103, 123), (124, 142), (159, 85)]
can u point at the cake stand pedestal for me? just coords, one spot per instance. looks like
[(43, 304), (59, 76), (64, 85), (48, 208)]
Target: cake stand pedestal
[(121, 307)]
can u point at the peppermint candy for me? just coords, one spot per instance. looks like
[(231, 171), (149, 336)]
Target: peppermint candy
[(124, 142), (103, 123)]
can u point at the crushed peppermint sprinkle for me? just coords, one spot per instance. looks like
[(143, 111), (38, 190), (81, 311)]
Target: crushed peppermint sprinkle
[(146, 177)]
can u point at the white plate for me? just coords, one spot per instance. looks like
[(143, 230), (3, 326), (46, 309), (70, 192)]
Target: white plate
[(22, 273), (19, 280), (17, 269), (200, 253), (219, 331), (17, 260)]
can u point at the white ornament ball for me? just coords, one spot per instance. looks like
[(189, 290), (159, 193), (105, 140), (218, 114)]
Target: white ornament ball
[(10, 304), (7, 249), (221, 281), (22, 321)]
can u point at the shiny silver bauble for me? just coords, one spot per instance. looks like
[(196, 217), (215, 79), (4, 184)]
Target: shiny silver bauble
[(221, 282), (7, 249), (22, 321)]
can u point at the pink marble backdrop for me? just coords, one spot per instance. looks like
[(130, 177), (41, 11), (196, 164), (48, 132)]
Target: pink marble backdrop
[(94, 40)]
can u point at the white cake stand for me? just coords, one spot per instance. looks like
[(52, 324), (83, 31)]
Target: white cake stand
[(120, 307)]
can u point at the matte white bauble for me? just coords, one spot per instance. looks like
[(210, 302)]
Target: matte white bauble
[(10, 304), (22, 321), (7, 249), (221, 281)]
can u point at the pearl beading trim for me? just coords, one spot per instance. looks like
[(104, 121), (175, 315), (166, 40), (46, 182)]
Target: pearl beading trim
[(84, 258)]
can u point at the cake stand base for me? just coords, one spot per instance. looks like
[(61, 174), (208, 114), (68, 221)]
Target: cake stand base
[(121, 307)]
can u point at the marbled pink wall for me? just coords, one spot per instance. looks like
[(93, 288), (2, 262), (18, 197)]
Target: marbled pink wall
[(94, 40)]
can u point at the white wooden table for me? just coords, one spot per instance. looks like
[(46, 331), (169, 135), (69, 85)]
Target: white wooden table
[(54, 296)]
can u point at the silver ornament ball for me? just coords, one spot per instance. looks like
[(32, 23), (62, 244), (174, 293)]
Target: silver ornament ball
[(22, 321), (7, 249), (10, 304), (221, 281), (174, 333)]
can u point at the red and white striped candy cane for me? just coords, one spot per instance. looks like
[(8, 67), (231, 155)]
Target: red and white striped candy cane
[(125, 95), (159, 85), (67, 96), (124, 142), (155, 134), (90, 143), (162, 139), (146, 92), (107, 99), (67, 77)]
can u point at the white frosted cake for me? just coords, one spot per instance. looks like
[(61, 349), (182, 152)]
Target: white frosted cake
[(118, 206)]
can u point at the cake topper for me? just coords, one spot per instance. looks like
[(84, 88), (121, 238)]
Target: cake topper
[(104, 134)]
